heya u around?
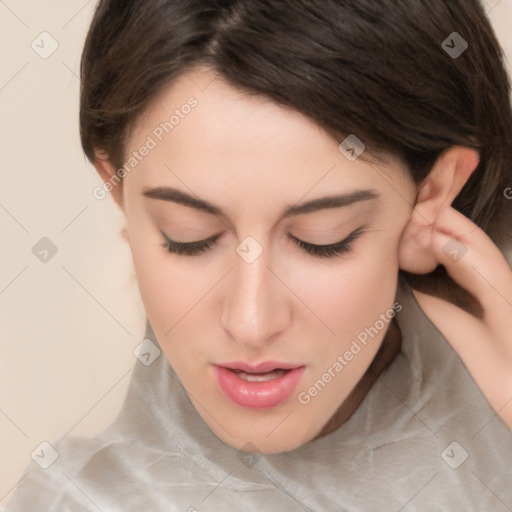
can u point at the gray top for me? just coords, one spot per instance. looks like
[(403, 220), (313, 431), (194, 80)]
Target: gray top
[(424, 439)]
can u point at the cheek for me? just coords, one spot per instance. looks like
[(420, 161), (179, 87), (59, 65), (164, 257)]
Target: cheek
[(354, 291), (173, 303), (167, 292)]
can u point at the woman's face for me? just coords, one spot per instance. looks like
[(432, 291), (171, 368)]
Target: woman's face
[(255, 295)]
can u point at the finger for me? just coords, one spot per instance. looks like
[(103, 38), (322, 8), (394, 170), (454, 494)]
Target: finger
[(473, 261)]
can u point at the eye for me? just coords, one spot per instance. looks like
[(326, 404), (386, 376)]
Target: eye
[(189, 249), (331, 250), (320, 251)]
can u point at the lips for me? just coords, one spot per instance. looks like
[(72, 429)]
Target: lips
[(259, 386)]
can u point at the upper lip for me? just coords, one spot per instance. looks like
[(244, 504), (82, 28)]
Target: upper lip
[(263, 367)]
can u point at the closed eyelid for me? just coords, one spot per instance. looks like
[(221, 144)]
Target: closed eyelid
[(213, 238), (325, 251), (350, 236)]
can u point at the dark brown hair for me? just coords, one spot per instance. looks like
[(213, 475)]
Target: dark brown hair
[(373, 68), (376, 68)]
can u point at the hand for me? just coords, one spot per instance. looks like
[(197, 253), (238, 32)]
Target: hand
[(474, 262)]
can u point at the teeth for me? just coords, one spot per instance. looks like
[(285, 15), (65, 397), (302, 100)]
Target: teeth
[(260, 377)]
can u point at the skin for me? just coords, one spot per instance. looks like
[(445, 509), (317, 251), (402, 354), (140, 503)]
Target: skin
[(253, 158), (483, 343)]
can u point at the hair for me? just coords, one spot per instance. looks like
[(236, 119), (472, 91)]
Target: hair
[(376, 69)]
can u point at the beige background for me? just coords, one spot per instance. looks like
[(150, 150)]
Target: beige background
[(69, 325)]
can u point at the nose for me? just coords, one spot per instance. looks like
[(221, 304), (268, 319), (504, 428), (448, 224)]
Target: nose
[(257, 306)]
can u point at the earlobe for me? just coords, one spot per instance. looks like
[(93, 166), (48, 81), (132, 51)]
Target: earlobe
[(436, 193), (414, 254)]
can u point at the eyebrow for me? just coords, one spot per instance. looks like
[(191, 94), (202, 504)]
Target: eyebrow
[(177, 196)]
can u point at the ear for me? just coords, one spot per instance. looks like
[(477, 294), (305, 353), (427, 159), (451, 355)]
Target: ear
[(436, 192), (112, 182)]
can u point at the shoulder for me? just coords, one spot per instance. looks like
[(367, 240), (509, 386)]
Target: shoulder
[(454, 323), (56, 488), (43, 490)]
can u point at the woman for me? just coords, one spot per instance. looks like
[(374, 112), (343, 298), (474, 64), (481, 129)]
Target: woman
[(316, 202)]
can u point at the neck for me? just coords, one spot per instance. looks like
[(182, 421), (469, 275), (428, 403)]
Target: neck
[(387, 352)]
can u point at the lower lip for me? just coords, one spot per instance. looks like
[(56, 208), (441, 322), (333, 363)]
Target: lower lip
[(257, 395)]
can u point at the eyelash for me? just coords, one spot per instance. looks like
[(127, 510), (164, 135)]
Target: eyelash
[(318, 251)]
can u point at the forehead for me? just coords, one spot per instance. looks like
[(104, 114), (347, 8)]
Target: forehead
[(225, 118), (231, 139)]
